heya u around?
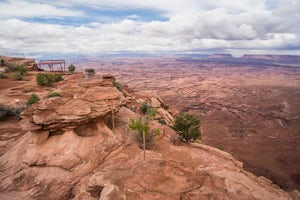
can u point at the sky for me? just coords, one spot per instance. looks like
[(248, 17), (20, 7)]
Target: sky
[(155, 26)]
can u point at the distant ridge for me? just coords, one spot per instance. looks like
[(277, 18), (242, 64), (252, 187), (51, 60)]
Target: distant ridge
[(220, 55)]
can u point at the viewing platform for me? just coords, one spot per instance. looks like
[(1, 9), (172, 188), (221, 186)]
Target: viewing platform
[(61, 64)]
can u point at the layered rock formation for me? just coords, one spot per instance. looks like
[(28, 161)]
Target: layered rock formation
[(82, 157)]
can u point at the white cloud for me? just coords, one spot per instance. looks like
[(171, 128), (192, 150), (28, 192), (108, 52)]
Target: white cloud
[(191, 25), (15, 8)]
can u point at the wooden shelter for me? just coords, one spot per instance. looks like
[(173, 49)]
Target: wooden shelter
[(53, 63)]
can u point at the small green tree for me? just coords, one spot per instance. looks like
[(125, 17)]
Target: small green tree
[(71, 68), (33, 99), (187, 126), (141, 125)]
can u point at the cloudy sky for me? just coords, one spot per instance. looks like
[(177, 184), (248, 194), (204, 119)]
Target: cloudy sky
[(105, 26)]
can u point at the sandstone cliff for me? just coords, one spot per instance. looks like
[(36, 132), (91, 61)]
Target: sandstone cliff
[(71, 151)]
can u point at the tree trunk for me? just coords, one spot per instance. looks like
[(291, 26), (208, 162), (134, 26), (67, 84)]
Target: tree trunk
[(144, 144)]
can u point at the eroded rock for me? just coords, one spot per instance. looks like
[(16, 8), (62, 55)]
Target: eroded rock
[(73, 154)]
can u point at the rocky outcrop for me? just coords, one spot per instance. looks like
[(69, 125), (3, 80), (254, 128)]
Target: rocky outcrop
[(80, 157), (80, 104)]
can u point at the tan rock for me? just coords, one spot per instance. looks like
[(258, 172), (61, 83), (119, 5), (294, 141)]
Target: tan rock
[(155, 103), (64, 112), (165, 115)]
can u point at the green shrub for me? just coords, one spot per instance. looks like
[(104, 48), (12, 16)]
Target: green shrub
[(221, 148), (3, 75), (2, 63), (17, 76), (6, 111), (165, 107), (145, 107), (33, 99), (187, 126), (26, 90), (21, 69), (56, 77), (42, 79), (90, 72), (54, 94), (46, 79), (119, 87), (10, 67), (162, 121), (71, 68)]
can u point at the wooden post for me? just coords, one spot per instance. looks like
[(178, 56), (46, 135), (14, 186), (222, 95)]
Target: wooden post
[(144, 144), (112, 116)]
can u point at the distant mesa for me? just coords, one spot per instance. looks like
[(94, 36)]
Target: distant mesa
[(272, 57), (221, 56)]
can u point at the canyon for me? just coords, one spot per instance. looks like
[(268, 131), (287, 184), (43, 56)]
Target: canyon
[(68, 147), (248, 106)]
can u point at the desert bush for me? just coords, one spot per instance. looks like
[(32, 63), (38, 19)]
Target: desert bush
[(165, 107), (33, 99), (46, 79), (21, 69), (162, 121), (26, 90), (90, 72), (54, 94), (10, 67), (119, 87), (42, 79), (6, 111), (71, 68), (3, 75), (56, 77), (187, 126), (145, 107), (17, 76), (2, 63)]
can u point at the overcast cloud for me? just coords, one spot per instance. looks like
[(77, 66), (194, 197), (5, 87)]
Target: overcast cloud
[(77, 26)]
